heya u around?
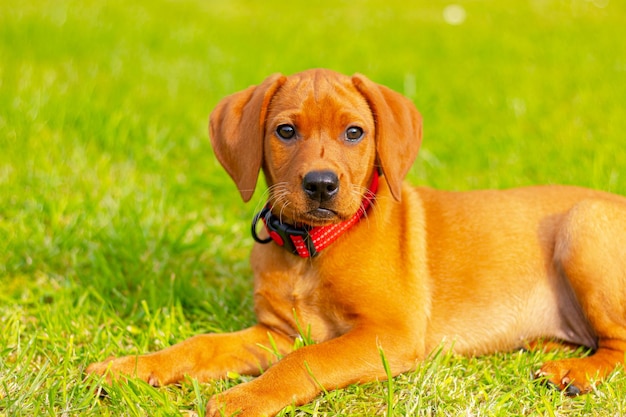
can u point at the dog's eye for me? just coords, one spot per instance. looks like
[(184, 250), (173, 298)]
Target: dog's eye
[(286, 131), (354, 133)]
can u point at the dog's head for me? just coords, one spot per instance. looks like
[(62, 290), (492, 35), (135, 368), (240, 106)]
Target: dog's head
[(319, 136)]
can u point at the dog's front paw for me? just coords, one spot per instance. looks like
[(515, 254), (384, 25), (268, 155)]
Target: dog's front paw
[(243, 401), (115, 369), (228, 404)]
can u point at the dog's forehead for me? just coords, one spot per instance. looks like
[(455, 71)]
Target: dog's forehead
[(319, 91)]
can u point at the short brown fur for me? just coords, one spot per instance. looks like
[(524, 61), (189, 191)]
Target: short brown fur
[(478, 272)]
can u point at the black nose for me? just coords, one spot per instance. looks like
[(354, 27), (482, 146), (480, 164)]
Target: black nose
[(320, 185)]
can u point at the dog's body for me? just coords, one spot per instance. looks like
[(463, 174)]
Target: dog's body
[(478, 272)]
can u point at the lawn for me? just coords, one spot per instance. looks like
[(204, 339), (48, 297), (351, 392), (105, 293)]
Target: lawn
[(120, 233)]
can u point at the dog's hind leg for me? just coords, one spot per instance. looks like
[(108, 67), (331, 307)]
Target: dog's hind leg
[(550, 345), (591, 252)]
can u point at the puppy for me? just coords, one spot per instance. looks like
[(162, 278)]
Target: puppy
[(364, 263)]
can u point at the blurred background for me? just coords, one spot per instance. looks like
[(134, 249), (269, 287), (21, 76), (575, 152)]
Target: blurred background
[(111, 202)]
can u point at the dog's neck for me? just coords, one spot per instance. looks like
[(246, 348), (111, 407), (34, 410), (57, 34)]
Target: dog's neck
[(307, 242)]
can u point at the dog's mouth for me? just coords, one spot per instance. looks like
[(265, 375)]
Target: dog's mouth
[(294, 209), (311, 216), (322, 214)]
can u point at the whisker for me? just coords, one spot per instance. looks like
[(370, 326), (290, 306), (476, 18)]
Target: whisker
[(262, 201), (362, 191), (282, 209), (376, 208), (359, 192), (279, 195)]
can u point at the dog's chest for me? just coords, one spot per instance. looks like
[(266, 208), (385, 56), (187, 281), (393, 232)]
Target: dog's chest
[(294, 298)]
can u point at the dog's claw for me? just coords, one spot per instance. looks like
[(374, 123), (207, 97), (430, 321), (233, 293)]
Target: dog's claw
[(153, 380), (572, 391), (544, 378), (566, 384)]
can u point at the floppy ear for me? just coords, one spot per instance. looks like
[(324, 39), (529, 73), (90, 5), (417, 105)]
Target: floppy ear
[(398, 130), (237, 128)]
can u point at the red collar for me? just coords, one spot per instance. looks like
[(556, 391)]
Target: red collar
[(309, 241)]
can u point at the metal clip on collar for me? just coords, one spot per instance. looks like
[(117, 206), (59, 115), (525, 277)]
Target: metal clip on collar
[(281, 233)]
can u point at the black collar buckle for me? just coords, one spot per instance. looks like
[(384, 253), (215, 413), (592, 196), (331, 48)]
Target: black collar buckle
[(281, 233)]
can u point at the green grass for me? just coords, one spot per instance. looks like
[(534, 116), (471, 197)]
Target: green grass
[(119, 232)]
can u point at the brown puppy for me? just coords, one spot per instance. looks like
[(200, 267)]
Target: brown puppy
[(396, 268)]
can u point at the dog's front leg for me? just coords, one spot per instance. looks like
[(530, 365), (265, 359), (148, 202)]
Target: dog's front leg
[(300, 376), (204, 357)]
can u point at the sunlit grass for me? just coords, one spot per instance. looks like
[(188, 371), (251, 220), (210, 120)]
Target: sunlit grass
[(119, 232)]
